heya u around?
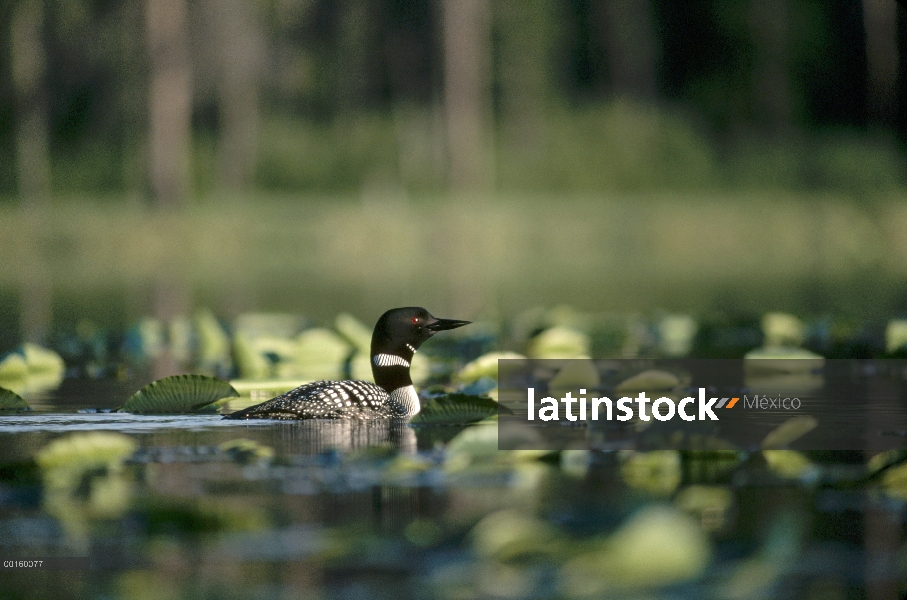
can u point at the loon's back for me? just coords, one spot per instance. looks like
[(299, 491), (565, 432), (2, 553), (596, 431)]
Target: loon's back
[(335, 400)]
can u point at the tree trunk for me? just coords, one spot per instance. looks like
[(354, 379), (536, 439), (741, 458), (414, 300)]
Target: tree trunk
[(32, 156), (239, 48), (900, 110), (28, 63), (525, 67), (771, 80), (169, 101), (355, 23), (467, 92), (630, 47), (880, 23)]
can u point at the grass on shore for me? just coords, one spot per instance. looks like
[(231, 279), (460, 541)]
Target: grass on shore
[(474, 255)]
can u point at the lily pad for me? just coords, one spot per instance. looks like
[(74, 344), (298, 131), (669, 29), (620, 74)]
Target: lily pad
[(354, 331), (789, 431), (781, 329), (42, 360), (485, 366), (258, 388), (456, 408), (13, 366), (213, 341), (789, 464), (10, 400), (782, 360), (319, 354), (560, 342), (896, 335), (179, 394), (576, 374), (251, 363)]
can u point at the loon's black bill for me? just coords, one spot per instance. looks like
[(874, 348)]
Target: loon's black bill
[(445, 324)]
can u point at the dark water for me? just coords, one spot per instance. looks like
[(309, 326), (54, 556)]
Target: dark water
[(385, 510)]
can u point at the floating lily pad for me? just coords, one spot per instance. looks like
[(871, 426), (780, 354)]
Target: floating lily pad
[(896, 335), (789, 464), (676, 334), (354, 331), (251, 363), (576, 374), (31, 369), (781, 329), (789, 431), (486, 386), (318, 354), (456, 408), (13, 366), (179, 394), (560, 342), (213, 341), (10, 401), (258, 388), (485, 366), (42, 360), (782, 360)]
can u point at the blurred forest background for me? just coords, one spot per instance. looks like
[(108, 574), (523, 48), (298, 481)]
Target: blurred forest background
[(477, 156)]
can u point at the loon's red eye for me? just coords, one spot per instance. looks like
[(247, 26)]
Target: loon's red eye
[(415, 320)]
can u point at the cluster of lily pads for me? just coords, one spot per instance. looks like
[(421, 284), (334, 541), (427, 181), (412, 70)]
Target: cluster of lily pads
[(265, 354)]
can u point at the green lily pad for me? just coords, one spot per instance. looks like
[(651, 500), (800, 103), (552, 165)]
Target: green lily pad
[(179, 394), (782, 330), (258, 388), (42, 360), (560, 342), (789, 431), (10, 400), (318, 354), (485, 366), (456, 408), (13, 366), (251, 363), (213, 341), (354, 331)]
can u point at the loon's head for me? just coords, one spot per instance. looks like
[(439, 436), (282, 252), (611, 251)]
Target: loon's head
[(398, 334), (400, 331)]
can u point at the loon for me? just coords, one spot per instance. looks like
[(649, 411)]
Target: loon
[(397, 335)]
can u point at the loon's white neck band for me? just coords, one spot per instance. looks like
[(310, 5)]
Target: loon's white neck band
[(389, 360)]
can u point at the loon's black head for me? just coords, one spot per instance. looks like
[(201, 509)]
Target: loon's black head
[(405, 329)]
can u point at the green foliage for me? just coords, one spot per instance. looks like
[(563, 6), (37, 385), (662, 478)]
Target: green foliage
[(456, 408), (617, 146), (31, 369), (849, 163), (342, 155), (11, 401), (179, 394)]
